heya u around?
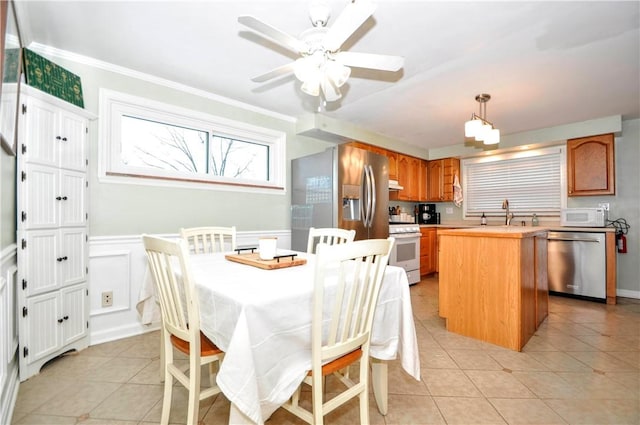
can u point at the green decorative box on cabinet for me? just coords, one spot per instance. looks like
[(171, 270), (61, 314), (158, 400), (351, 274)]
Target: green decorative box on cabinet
[(45, 75)]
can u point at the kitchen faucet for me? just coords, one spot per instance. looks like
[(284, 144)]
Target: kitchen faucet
[(508, 216)]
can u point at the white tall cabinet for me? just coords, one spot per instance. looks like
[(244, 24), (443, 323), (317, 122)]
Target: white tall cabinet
[(52, 227)]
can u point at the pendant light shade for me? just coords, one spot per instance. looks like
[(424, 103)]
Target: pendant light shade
[(471, 127), (478, 127), (493, 137)]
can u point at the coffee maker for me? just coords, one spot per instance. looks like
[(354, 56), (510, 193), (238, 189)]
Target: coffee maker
[(427, 214)]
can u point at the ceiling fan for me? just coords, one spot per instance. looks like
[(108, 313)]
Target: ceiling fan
[(322, 66)]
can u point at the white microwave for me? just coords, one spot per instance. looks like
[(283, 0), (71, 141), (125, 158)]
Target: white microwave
[(583, 217)]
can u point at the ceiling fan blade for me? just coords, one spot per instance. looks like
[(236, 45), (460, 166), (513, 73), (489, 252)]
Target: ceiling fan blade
[(330, 91), (276, 72), (274, 34), (347, 23), (370, 60)]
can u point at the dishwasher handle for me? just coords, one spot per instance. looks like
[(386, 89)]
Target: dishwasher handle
[(569, 239)]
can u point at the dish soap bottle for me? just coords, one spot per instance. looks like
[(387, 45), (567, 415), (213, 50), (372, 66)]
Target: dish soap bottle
[(534, 220), (483, 220)]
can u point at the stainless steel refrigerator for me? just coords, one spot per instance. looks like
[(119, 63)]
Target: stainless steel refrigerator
[(344, 187)]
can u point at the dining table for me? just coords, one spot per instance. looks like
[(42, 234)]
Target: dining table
[(261, 319)]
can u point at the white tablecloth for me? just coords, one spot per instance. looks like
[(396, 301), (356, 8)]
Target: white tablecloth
[(262, 320)]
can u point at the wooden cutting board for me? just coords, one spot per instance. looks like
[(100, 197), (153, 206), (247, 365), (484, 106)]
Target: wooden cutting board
[(253, 259)]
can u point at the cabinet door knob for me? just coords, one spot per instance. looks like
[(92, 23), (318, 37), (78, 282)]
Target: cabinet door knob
[(58, 198), (64, 139), (59, 320), (58, 138), (64, 198), (59, 259), (66, 317)]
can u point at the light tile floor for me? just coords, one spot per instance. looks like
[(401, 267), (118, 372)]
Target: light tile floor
[(581, 367)]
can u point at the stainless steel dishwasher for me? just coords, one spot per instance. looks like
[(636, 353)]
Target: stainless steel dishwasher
[(576, 264)]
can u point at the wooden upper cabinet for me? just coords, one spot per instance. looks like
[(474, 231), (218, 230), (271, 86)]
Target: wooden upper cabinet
[(393, 165), (451, 167), (406, 178), (423, 193), (434, 180), (392, 156), (591, 166), (441, 173)]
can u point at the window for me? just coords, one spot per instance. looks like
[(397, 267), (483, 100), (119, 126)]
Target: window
[(154, 143), (532, 181)]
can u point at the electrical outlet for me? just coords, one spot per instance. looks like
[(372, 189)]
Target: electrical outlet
[(107, 299), (604, 205)]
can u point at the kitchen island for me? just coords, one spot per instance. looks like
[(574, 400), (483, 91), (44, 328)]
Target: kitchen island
[(493, 282)]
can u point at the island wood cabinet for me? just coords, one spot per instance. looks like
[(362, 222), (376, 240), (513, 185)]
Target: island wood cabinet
[(428, 250), (591, 166), (441, 173), (52, 229), (492, 283)]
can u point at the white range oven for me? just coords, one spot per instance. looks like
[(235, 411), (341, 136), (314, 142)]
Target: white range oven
[(406, 250)]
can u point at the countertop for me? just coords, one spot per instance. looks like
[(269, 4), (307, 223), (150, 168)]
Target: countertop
[(512, 232), (554, 227)]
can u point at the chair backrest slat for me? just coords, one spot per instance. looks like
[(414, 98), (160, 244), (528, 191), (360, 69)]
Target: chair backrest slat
[(328, 236), (203, 240)]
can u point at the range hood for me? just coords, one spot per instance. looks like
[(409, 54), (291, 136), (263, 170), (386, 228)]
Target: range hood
[(393, 185)]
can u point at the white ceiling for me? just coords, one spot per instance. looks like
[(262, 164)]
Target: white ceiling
[(544, 63)]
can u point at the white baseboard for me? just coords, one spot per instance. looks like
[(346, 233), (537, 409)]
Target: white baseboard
[(626, 293), (112, 334)]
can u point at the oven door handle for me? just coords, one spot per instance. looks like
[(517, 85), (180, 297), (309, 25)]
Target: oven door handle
[(405, 235)]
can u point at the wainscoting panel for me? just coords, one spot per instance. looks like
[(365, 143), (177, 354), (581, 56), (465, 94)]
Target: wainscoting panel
[(9, 382), (108, 270), (119, 264)]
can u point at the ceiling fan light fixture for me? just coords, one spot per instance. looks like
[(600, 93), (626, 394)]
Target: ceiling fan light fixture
[(311, 88), (329, 90), (337, 72), (478, 127), (323, 67)]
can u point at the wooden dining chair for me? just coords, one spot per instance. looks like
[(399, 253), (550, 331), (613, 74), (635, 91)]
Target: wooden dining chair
[(347, 282), (180, 312), (329, 236), (202, 240)]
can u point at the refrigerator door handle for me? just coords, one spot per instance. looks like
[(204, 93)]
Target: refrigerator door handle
[(365, 197), (372, 212)]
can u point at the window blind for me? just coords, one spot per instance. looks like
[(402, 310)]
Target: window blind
[(532, 181)]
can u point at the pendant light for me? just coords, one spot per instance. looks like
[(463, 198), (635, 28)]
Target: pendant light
[(478, 127)]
